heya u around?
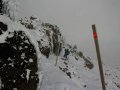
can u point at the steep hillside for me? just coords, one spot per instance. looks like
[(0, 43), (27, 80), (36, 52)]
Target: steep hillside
[(73, 74), (29, 49), (47, 35), (79, 72)]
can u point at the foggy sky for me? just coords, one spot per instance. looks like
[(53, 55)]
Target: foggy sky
[(75, 17)]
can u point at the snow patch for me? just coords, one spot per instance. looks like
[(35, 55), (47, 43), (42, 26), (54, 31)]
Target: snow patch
[(31, 60), (3, 37), (28, 74)]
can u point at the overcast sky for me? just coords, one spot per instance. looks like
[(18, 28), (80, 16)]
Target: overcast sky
[(75, 17)]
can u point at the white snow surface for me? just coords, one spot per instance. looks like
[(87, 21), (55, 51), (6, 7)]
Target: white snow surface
[(82, 77), (28, 74), (54, 79)]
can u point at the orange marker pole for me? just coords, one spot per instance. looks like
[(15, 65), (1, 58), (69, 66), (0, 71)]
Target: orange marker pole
[(98, 56)]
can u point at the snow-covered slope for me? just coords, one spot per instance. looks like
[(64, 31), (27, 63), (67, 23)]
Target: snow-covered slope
[(79, 72), (73, 75)]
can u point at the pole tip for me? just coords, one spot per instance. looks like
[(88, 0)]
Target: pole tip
[(93, 27)]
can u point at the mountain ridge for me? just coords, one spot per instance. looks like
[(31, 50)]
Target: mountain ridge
[(79, 72)]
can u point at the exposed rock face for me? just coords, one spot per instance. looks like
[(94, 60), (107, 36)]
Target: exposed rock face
[(3, 27), (1, 5), (18, 62), (45, 51), (50, 41)]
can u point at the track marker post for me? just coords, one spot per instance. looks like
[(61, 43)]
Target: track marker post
[(99, 57)]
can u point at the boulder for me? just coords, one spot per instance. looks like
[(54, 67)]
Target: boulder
[(18, 61)]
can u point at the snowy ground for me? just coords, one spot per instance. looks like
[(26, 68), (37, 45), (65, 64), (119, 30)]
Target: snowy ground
[(81, 78), (55, 79)]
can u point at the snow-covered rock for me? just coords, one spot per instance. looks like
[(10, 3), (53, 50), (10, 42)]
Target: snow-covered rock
[(17, 50), (22, 64), (47, 35)]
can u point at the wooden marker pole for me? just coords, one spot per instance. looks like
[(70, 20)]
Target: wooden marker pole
[(98, 56)]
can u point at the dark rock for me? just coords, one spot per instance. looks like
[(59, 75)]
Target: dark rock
[(88, 63), (65, 63), (85, 86), (3, 27), (1, 6), (69, 74), (15, 55), (45, 51)]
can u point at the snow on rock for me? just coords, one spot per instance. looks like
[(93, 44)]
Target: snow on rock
[(21, 59), (3, 37), (28, 74), (30, 60), (78, 73), (16, 71), (48, 36)]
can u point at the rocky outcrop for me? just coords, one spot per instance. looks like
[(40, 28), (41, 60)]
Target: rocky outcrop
[(3, 27), (18, 61), (50, 38)]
